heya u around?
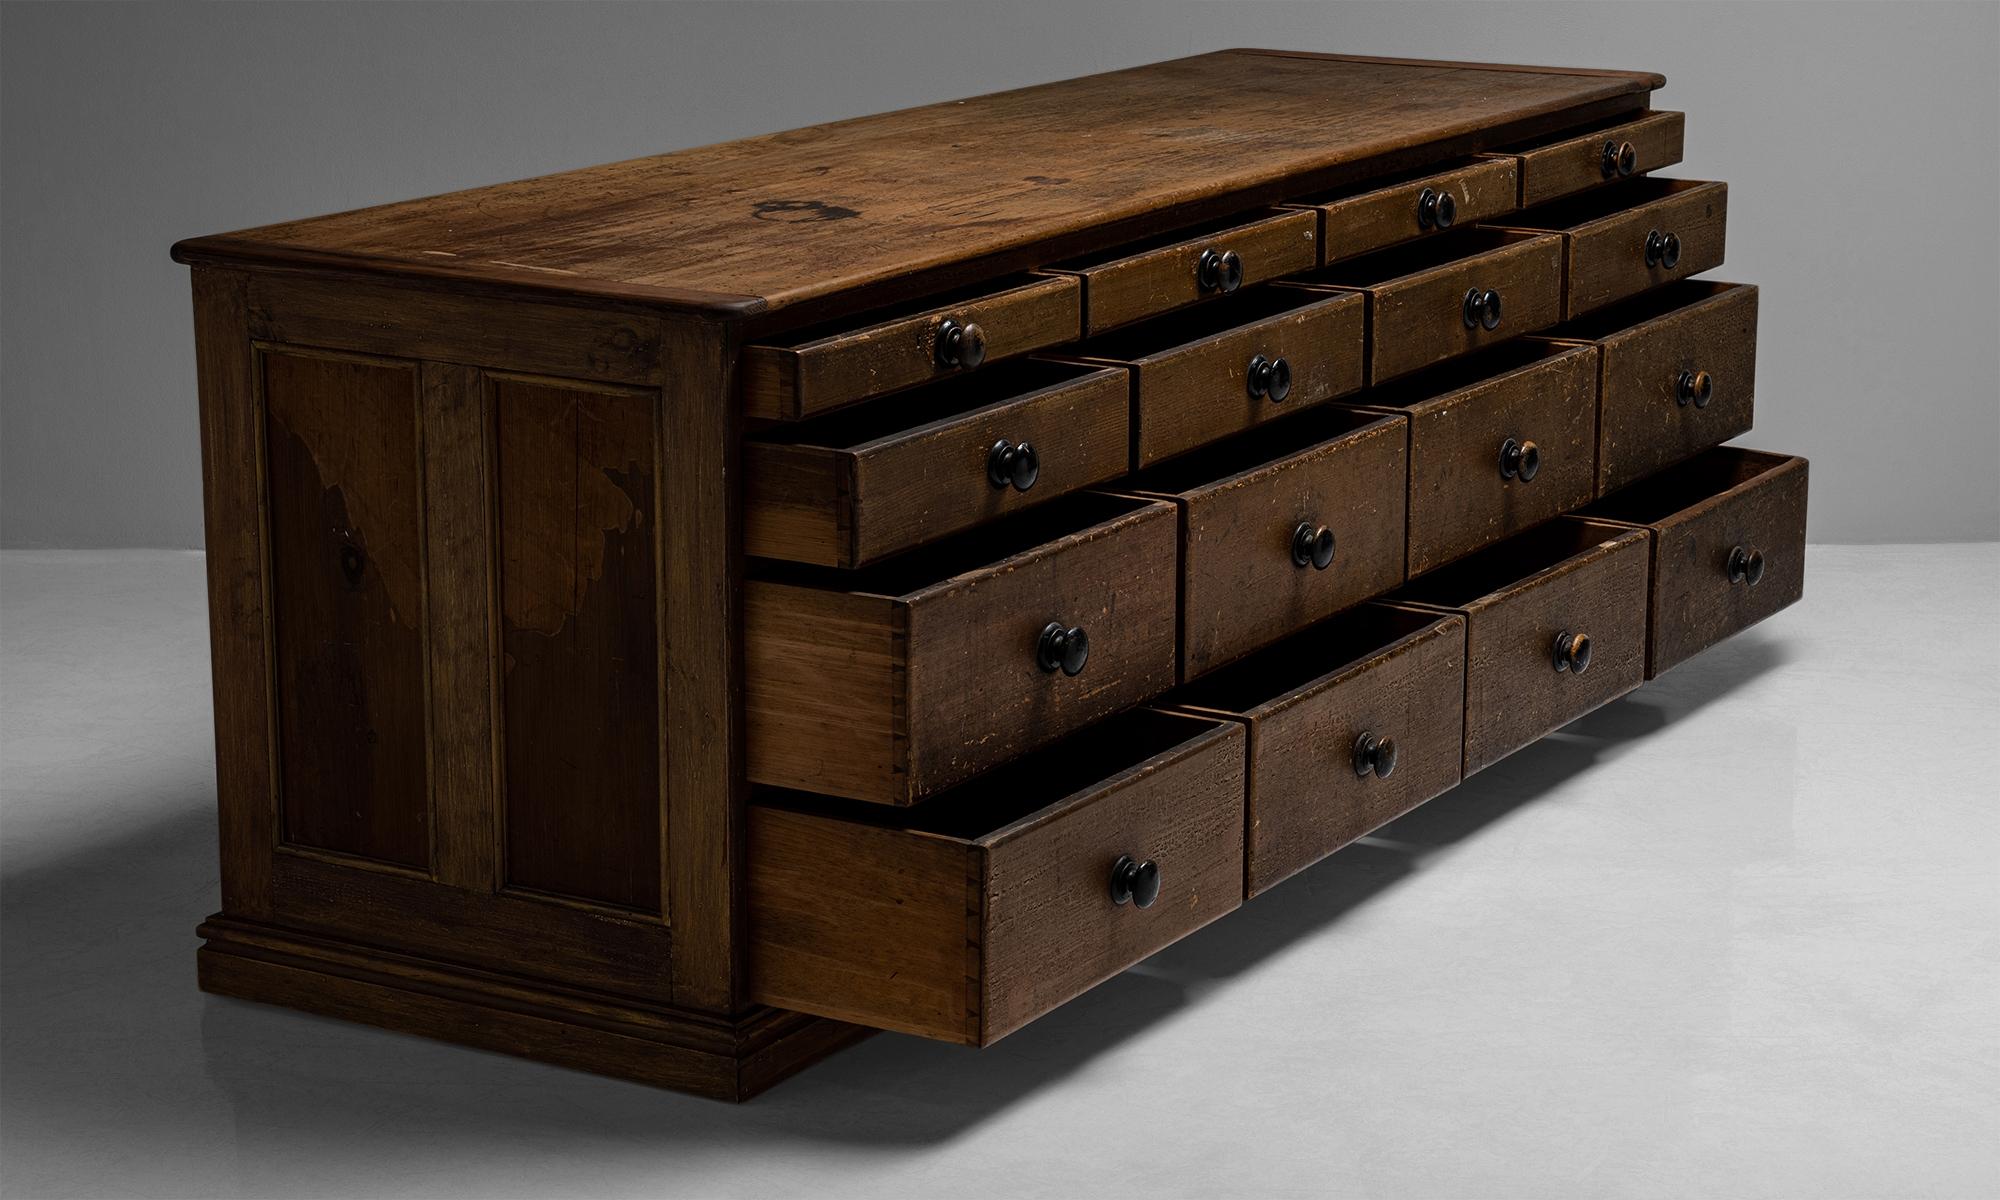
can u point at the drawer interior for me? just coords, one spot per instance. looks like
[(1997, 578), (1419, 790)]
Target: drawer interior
[(1574, 131), (1173, 330), (1647, 306), (1607, 201), (1369, 270), (1458, 373), (1503, 564), (1245, 453), (800, 339), (1377, 183), (1682, 486), (932, 403), (1174, 237), (1290, 666)]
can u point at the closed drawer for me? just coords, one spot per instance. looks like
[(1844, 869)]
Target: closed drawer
[(1376, 214), (1144, 279), (1677, 374), (1352, 723), (872, 354), (1562, 164), (1728, 533), (1282, 527), (970, 916), (1623, 240), (1225, 367), (1565, 595), (1499, 441), (1448, 296), (851, 487), (896, 681)]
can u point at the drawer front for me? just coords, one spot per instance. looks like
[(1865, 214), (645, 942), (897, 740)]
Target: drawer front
[(1569, 165), (827, 371), (1312, 788), (1374, 220), (1160, 280), (1514, 694), (1466, 491), (1618, 256), (855, 505), (1242, 584)]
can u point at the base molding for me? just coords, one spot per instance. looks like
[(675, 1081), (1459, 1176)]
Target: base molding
[(707, 1055)]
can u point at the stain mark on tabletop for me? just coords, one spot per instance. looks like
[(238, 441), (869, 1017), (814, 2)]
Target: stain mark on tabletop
[(798, 212)]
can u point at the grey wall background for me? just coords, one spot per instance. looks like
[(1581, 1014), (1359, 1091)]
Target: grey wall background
[(1858, 140)]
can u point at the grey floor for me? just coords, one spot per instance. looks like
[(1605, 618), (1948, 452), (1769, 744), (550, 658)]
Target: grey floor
[(1735, 935)]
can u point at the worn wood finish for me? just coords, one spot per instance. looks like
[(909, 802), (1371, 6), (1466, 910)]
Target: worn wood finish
[(1241, 505), (1605, 235), (895, 682), (1376, 214), (853, 488), (987, 908), (1190, 372), (1698, 513), (1461, 414), (1644, 423), (822, 369), (1561, 164), (1416, 295), (1132, 282), (1563, 577)]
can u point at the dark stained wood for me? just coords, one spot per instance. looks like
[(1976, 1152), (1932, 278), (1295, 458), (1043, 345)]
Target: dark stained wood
[(1566, 576), (827, 368), (1380, 670), (1132, 282), (1240, 505), (1561, 164), (1644, 347), (579, 622), (1604, 237), (1698, 512), (1190, 371), (856, 487), (969, 917), (1459, 416), (1416, 295), (895, 682), (778, 220), (347, 598), (1376, 214)]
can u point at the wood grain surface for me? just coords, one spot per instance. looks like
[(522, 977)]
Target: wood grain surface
[(1562, 164)]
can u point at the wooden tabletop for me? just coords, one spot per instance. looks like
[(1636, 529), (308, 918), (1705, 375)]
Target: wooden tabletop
[(781, 220)]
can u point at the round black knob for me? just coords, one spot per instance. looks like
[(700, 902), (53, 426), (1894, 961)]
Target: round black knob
[(1270, 377), (1060, 649), (1694, 387), (1620, 158), (1435, 209), (1572, 652), (1746, 566), (1312, 546), (1374, 756), (1482, 309), (1663, 249), (352, 561), (1138, 882), (1520, 460), (1013, 464), (1218, 271), (960, 344)]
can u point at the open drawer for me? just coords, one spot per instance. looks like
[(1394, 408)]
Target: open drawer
[(854, 486), (892, 682), (827, 366), (1622, 240), (1352, 723), (1555, 627), (974, 914), (1375, 214), (1144, 279), (1281, 527), (1568, 161), (1728, 532)]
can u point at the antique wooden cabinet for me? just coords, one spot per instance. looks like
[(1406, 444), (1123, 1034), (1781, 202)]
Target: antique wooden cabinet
[(674, 617)]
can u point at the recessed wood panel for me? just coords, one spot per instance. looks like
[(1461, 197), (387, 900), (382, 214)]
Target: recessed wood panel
[(344, 485), (579, 627)]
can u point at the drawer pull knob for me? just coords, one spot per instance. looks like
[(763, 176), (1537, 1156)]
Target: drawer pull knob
[(1520, 460), (1061, 649), (1435, 209), (1620, 158), (960, 344), (1694, 387), (1746, 566), (1374, 756), (1312, 546), (1014, 465), (1270, 377), (1219, 271), (1482, 309), (1663, 249), (1572, 652), (1134, 881)]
